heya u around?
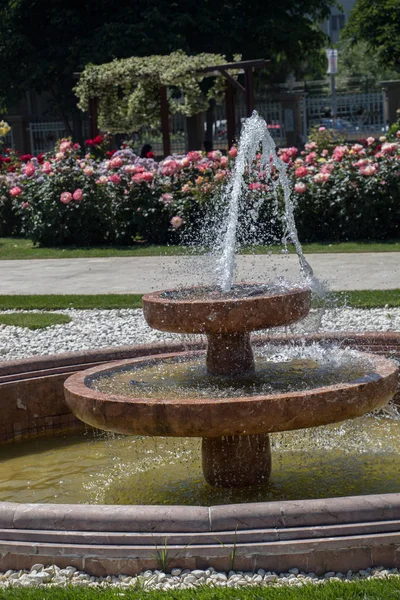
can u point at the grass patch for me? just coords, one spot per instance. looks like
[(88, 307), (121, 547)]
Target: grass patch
[(34, 320), (353, 299), (19, 248), (50, 302), (388, 589), (368, 298)]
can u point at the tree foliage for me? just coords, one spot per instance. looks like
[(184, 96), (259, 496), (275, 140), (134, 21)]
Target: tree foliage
[(377, 22), (356, 63), (43, 43)]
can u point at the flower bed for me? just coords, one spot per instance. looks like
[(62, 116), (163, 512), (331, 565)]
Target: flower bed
[(348, 192)]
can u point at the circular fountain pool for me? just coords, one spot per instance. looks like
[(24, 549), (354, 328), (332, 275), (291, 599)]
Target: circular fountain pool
[(348, 459)]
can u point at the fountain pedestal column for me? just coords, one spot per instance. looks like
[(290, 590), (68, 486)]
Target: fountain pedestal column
[(236, 460), (229, 354)]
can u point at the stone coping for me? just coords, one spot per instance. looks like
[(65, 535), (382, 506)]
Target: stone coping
[(314, 535)]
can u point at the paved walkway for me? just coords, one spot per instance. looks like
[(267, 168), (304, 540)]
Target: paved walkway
[(144, 274)]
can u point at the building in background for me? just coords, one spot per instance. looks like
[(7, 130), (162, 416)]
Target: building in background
[(337, 20)]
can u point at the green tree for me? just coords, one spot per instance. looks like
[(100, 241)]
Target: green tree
[(43, 43), (358, 65), (377, 22)]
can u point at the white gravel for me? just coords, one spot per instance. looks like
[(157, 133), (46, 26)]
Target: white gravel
[(102, 328), (44, 577)]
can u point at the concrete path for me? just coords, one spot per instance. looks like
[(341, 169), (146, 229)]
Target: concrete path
[(144, 274)]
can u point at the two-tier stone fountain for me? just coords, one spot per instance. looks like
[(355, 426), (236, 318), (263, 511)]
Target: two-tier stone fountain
[(224, 395)]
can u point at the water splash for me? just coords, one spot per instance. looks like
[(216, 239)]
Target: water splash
[(255, 133)]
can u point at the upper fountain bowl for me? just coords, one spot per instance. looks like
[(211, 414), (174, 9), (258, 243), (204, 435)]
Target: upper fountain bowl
[(247, 307)]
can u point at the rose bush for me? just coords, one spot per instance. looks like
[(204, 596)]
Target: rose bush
[(97, 196), (350, 192)]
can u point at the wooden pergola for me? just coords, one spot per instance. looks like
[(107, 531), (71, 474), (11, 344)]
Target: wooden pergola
[(245, 66)]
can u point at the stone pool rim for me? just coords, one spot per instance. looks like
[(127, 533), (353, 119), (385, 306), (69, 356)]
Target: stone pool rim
[(333, 534)]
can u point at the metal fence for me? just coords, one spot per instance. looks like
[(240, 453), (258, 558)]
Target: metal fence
[(44, 134), (8, 141), (355, 114)]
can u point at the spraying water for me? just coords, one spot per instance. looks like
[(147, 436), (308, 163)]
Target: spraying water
[(254, 134)]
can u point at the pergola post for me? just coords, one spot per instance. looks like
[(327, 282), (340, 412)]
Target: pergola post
[(165, 121), (249, 85), (230, 113)]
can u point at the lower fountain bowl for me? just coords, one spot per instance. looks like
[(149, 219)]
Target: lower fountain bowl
[(353, 532), (224, 416)]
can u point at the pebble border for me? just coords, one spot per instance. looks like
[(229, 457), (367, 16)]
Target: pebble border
[(181, 579)]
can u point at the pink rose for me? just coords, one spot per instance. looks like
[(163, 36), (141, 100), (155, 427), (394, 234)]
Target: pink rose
[(215, 155), (170, 167), (25, 205), (321, 177), (176, 222), (357, 148), (301, 172), (321, 128), (310, 146), (77, 195), (30, 169), (370, 140), (147, 176), (369, 170), (65, 145), (224, 161), (255, 186), (398, 134), (233, 152), (185, 162), (194, 156), (46, 168), (389, 148), (115, 178), (300, 187), (186, 188), (101, 180), (311, 158), (88, 171), (15, 191), (66, 197), (167, 198), (138, 178), (220, 175), (116, 162)]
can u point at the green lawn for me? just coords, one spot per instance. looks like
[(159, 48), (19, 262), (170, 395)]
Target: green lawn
[(388, 589), (33, 320), (355, 299), (16, 248)]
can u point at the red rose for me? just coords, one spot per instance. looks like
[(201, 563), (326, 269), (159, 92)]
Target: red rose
[(98, 140), (150, 155), (89, 142)]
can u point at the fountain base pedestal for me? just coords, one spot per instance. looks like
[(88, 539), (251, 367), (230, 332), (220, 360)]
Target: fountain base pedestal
[(229, 354), (236, 460)]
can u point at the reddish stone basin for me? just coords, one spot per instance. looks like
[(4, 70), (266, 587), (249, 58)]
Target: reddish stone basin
[(225, 315), (234, 430), (227, 321)]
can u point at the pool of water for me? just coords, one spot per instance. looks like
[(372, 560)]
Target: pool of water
[(277, 371), (352, 458)]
